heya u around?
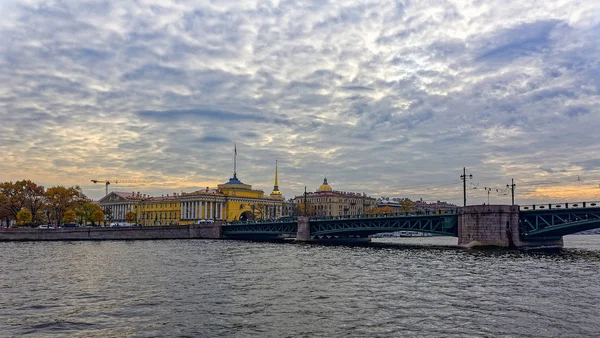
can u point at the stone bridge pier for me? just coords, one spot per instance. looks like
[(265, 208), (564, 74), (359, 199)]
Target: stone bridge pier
[(303, 232), (496, 225)]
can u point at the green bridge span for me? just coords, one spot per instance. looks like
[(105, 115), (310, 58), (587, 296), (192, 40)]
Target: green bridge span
[(529, 223)]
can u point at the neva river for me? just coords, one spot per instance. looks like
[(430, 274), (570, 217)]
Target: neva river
[(421, 287)]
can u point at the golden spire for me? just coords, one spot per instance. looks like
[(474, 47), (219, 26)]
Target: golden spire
[(276, 192), (276, 180)]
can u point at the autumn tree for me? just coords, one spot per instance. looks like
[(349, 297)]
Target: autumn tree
[(24, 216), (385, 210), (381, 210), (33, 196), (60, 199), (98, 216), (130, 217), (406, 205), (310, 209), (86, 211), (5, 213), (23, 194), (13, 198), (69, 216)]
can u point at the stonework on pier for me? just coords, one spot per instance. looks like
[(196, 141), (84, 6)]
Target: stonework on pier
[(496, 225)]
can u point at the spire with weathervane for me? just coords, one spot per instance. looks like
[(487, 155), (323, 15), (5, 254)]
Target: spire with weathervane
[(276, 193), (234, 179), (234, 161)]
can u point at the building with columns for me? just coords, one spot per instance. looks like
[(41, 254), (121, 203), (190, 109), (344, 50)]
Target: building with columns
[(159, 210), (245, 203), (207, 204), (230, 201), (116, 205), (328, 202)]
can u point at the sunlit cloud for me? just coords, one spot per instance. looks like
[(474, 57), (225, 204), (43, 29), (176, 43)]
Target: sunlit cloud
[(390, 98)]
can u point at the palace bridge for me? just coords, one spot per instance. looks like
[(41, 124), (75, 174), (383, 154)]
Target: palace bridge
[(532, 226)]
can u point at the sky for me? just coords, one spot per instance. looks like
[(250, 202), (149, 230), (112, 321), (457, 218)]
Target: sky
[(390, 98)]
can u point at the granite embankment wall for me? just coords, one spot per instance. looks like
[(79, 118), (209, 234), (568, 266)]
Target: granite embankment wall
[(209, 231)]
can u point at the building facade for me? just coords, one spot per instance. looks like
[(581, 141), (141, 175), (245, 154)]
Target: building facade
[(327, 202), (435, 207), (163, 210), (230, 201), (116, 205)]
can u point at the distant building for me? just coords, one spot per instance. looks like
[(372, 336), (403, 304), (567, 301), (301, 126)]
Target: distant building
[(327, 202), (116, 205), (289, 208), (230, 201), (395, 205), (419, 206), (435, 206)]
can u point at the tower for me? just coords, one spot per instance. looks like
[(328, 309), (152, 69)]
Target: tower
[(276, 193)]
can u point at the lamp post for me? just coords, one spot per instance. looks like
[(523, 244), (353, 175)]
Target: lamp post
[(464, 178), (512, 190), (305, 211)]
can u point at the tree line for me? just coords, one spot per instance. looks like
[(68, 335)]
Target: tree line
[(30, 204)]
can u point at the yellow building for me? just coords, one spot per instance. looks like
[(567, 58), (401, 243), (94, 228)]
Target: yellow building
[(328, 202), (162, 210), (230, 201)]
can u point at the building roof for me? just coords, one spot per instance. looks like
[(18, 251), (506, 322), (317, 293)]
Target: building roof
[(325, 186), (234, 180), (124, 194), (343, 194)]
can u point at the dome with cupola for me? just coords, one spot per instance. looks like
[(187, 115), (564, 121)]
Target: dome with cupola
[(325, 186)]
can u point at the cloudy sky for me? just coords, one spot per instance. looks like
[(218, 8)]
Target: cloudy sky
[(391, 98)]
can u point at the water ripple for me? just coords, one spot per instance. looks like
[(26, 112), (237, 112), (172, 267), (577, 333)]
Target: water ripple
[(190, 288)]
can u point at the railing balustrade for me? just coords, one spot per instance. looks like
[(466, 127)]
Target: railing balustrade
[(564, 205)]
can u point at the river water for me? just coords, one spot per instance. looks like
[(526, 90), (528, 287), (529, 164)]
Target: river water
[(421, 287)]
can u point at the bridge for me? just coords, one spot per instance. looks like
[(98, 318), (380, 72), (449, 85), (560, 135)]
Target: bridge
[(346, 227), (531, 226)]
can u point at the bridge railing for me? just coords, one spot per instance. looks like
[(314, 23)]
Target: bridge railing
[(391, 214), (273, 220), (554, 206), (383, 215)]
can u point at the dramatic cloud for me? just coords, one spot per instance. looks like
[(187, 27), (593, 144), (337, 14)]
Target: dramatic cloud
[(390, 98)]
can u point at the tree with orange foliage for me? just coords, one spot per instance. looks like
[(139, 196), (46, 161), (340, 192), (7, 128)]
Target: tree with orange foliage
[(24, 216), (60, 199), (70, 216), (310, 209), (98, 216), (130, 217), (23, 194), (13, 201), (380, 210), (406, 205), (5, 213)]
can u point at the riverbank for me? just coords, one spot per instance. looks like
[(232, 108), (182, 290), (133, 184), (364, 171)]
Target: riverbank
[(209, 231)]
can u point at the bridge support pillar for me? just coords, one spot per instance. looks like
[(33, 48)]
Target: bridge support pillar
[(495, 225), (303, 233), (486, 225)]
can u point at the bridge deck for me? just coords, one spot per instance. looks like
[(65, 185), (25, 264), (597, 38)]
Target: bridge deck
[(535, 222)]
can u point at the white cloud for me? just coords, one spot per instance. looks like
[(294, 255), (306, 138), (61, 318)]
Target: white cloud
[(384, 97)]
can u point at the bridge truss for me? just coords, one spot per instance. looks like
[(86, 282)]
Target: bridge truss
[(260, 229), (362, 227), (555, 223)]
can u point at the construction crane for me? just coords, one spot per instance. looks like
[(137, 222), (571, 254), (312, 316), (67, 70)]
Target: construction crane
[(108, 182)]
